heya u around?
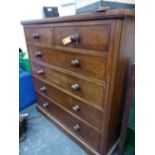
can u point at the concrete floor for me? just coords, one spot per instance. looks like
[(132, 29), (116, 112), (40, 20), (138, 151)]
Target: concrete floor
[(44, 138)]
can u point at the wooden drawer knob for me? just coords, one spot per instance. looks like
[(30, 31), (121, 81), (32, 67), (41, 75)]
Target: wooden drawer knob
[(45, 104), (43, 89), (76, 108), (75, 63), (38, 54), (70, 39), (40, 72), (75, 37), (76, 127), (75, 86), (35, 36)]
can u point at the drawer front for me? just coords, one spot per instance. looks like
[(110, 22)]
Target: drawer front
[(62, 32), (41, 35), (88, 65), (79, 108), (81, 129), (89, 91), (91, 36)]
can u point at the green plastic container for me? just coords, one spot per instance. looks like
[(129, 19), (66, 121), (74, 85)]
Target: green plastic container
[(27, 65), (24, 62), (22, 55)]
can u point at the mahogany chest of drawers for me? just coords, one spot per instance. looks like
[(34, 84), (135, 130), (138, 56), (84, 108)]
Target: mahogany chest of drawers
[(78, 65)]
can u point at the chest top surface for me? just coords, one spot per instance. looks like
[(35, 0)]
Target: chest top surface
[(109, 14)]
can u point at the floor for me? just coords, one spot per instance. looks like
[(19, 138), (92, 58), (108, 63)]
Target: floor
[(44, 138)]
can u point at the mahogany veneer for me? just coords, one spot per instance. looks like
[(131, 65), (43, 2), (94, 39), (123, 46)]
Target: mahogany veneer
[(78, 65)]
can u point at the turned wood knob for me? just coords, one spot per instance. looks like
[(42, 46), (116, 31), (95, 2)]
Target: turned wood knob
[(76, 108), (76, 127), (45, 104), (38, 54), (75, 37), (75, 63), (43, 89), (35, 36), (75, 86), (40, 72)]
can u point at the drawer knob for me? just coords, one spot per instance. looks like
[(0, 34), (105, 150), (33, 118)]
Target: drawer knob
[(38, 54), (75, 62), (43, 89), (35, 36), (40, 72), (75, 86), (75, 37), (76, 108), (45, 104), (76, 127)]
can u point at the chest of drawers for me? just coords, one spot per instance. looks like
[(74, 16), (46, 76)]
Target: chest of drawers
[(78, 65)]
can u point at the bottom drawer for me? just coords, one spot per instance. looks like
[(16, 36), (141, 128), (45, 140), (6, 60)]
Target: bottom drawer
[(82, 130)]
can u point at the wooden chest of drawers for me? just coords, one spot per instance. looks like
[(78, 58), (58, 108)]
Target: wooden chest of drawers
[(78, 65)]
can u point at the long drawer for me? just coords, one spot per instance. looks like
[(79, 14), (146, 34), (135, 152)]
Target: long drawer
[(86, 132), (85, 89), (85, 111), (89, 65)]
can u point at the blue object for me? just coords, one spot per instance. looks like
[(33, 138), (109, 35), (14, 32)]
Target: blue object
[(26, 89)]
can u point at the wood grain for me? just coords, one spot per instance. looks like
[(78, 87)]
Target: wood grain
[(92, 92), (45, 35), (125, 46), (88, 148), (86, 111), (91, 137), (109, 14), (98, 33), (90, 66), (104, 49)]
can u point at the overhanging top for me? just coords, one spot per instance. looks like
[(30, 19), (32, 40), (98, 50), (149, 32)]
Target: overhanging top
[(121, 13)]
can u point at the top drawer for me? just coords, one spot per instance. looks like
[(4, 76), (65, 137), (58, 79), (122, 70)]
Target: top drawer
[(38, 34), (85, 35)]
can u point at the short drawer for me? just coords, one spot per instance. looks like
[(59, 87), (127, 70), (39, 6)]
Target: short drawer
[(85, 89), (87, 133), (38, 35), (89, 65), (85, 111), (85, 35)]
